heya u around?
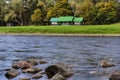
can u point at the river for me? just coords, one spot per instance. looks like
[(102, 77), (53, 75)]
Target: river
[(81, 53)]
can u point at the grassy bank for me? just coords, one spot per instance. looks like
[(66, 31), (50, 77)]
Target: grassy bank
[(87, 29)]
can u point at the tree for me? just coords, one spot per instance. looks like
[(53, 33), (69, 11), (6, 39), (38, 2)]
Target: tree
[(118, 10), (95, 1), (37, 17), (29, 6), (25, 12), (19, 11), (103, 12), (60, 8), (15, 12), (106, 12), (42, 6), (85, 10), (2, 11)]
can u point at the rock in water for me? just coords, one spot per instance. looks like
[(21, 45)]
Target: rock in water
[(42, 62), (105, 64), (25, 78), (31, 70), (57, 77), (33, 61), (28, 70), (21, 64), (60, 68), (37, 75), (115, 76), (37, 69), (12, 73)]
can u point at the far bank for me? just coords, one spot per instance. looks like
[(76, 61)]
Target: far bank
[(87, 30)]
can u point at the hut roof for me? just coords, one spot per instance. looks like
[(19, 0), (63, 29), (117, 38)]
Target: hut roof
[(65, 19), (53, 19), (78, 19)]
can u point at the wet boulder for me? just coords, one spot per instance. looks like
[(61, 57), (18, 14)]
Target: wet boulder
[(58, 77), (31, 70), (60, 68), (105, 64), (15, 65), (37, 75), (36, 61), (37, 69), (12, 73), (21, 64), (42, 61), (24, 78), (32, 61), (115, 76), (28, 70)]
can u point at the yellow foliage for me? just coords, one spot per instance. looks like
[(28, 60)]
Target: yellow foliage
[(37, 16)]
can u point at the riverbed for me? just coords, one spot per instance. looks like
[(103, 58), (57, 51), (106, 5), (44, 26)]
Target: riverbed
[(81, 53)]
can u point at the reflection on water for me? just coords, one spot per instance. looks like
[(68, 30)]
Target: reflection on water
[(82, 53)]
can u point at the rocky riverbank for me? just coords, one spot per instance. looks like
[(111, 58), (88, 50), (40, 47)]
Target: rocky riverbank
[(58, 71)]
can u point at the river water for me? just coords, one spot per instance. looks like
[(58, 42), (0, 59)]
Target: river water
[(81, 53)]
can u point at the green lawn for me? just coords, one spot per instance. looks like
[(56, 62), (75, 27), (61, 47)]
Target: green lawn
[(87, 29)]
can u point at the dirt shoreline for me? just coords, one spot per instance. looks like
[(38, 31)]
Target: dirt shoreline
[(60, 34)]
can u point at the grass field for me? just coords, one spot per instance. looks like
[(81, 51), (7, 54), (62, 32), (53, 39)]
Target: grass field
[(87, 29)]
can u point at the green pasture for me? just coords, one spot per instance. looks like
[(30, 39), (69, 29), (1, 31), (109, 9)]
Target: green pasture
[(87, 29)]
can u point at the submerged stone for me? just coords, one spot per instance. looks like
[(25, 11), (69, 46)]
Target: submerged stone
[(24, 78), (28, 70), (42, 62), (37, 75), (105, 64), (33, 61), (57, 77), (12, 73), (60, 68), (115, 76), (21, 64)]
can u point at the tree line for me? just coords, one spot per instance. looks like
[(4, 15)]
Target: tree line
[(39, 12)]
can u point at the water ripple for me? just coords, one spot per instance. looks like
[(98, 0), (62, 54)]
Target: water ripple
[(82, 53)]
